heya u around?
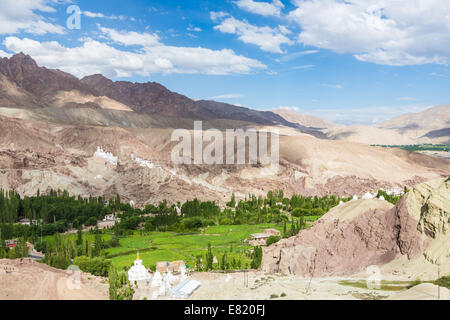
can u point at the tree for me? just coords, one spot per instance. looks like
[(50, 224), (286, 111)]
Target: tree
[(113, 283), (257, 258), (92, 221), (272, 239), (224, 263), (98, 244), (20, 250), (79, 236), (209, 258), (232, 202), (119, 286), (96, 266), (198, 264)]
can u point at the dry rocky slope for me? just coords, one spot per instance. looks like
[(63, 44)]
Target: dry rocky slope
[(430, 126), (51, 124), (25, 279), (362, 233), (304, 120)]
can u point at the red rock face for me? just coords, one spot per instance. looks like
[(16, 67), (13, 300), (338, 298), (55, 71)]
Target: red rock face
[(337, 247), (23, 71), (409, 239)]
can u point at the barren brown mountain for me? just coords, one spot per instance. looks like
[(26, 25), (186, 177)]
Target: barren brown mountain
[(52, 124)]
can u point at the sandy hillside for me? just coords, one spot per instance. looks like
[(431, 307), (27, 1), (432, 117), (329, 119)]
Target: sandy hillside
[(43, 155), (304, 120), (29, 280), (424, 291), (431, 126), (261, 286), (371, 135)]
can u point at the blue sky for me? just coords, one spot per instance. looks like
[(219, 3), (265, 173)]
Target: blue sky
[(352, 62)]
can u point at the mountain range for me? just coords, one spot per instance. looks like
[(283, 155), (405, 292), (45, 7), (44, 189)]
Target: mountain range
[(53, 122)]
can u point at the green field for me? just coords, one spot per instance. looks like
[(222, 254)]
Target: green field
[(419, 147), (166, 246), (169, 246)]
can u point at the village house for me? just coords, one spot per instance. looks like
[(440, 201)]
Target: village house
[(28, 222), (108, 222), (259, 239), (11, 243), (166, 266)]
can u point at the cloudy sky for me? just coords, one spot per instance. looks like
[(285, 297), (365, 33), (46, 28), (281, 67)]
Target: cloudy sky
[(354, 61)]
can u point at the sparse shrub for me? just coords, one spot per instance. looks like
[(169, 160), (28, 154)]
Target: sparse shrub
[(272, 239), (443, 282), (95, 266)]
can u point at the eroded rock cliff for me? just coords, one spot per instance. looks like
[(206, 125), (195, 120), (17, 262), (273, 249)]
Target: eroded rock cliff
[(361, 233)]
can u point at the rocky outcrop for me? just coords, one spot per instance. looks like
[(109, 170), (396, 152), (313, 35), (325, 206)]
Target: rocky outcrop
[(152, 97), (41, 82), (361, 233)]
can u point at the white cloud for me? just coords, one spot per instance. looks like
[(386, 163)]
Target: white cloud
[(21, 16), (306, 66), (194, 29), (284, 30), (266, 38), (379, 31), (129, 38), (151, 57), (290, 108), (100, 15), (4, 54), (435, 74), (216, 16), (295, 55), (228, 96), (333, 86), (93, 14), (262, 8)]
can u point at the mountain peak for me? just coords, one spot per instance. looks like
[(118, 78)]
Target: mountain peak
[(23, 59), (96, 80)]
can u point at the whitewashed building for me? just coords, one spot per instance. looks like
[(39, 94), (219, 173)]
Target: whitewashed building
[(138, 272)]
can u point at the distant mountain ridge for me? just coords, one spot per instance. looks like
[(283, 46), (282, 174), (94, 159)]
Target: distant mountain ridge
[(61, 97), (24, 84), (304, 120), (431, 126)]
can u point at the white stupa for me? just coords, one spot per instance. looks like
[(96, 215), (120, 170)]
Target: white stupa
[(170, 278), (108, 156), (368, 196), (138, 272), (157, 279), (382, 198), (182, 271), (355, 197), (162, 289)]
